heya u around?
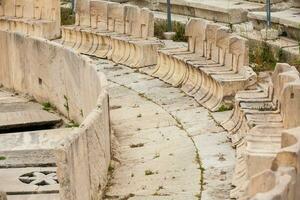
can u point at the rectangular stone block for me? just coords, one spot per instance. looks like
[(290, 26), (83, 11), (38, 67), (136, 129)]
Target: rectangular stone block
[(99, 14)]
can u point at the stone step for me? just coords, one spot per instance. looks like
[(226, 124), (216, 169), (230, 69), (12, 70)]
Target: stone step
[(229, 11), (31, 119), (287, 20), (33, 148)]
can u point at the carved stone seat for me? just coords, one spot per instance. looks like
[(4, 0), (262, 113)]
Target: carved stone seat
[(122, 33), (257, 122), (212, 68)]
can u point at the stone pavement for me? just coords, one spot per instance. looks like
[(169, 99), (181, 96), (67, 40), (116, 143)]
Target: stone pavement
[(169, 147)]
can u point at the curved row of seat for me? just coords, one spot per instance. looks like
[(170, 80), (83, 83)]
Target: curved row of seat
[(282, 180), (40, 18), (122, 33), (257, 122), (213, 67)]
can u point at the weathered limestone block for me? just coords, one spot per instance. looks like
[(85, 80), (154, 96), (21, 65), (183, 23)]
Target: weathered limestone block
[(82, 9), (122, 33), (213, 67), (257, 121), (56, 74), (99, 15)]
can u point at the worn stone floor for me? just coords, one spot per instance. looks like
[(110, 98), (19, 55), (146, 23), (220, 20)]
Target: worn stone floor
[(168, 146)]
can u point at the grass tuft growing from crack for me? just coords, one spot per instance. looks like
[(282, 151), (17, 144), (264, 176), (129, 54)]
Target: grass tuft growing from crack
[(179, 28), (136, 145), (224, 108), (2, 158), (148, 172), (72, 124), (47, 106)]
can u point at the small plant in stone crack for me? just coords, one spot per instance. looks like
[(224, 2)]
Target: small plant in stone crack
[(224, 108), (136, 145), (157, 155), (47, 106), (149, 172), (2, 158), (66, 105), (72, 124), (111, 168)]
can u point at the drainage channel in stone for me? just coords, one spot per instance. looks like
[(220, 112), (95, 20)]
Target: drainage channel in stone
[(162, 134)]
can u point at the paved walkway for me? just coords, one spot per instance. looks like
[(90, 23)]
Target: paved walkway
[(169, 147)]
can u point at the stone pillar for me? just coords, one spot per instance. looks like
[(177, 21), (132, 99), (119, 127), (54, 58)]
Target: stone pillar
[(82, 10)]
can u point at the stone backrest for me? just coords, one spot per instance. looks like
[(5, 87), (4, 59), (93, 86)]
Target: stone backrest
[(195, 31), (211, 33), (82, 9), (147, 23), (116, 18), (125, 19), (8, 7), (99, 15), (290, 103), (47, 9), (222, 43), (283, 74), (239, 49), (132, 26), (24, 9), (286, 86), (31, 9)]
